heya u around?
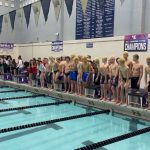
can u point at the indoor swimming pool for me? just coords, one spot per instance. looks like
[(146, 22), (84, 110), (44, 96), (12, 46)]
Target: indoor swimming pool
[(65, 135)]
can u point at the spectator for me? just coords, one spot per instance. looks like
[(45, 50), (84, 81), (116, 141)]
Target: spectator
[(19, 65)]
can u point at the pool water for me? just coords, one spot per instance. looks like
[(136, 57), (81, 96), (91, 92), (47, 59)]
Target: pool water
[(14, 94), (6, 89), (67, 135)]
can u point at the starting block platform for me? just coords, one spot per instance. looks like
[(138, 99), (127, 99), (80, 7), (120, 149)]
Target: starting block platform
[(23, 79), (137, 97), (7, 77), (92, 91), (59, 86)]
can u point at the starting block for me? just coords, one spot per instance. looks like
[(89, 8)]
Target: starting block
[(2, 76), (92, 91), (8, 76), (59, 86), (137, 97), (21, 79)]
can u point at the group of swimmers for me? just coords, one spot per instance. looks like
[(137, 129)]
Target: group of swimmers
[(114, 75)]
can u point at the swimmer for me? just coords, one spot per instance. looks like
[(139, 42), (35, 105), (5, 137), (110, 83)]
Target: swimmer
[(41, 72), (85, 72), (67, 74), (48, 74), (114, 78), (147, 80), (54, 65), (104, 78), (118, 88), (128, 63), (58, 79), (79, 77), (124, 83), (97, 74), (30, 72), (73, 74), (137, 73)]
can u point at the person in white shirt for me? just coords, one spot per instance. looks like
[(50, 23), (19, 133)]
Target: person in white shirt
[(20, 65)]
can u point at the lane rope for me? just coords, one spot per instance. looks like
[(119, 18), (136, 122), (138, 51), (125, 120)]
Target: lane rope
[(115, 139), (11, 91), (32, 125), (35, 106), (21, 97), (3, 87)]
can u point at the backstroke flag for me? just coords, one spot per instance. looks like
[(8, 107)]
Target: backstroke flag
[(57, 7), (36, 9), (45, 7), (27, 12), (12, 16), (69, 5), (84, 5), (1, 22)]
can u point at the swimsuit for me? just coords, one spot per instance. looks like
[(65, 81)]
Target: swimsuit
[(95, 77), (33, 76), (84, 76), (60, 77), (103, 79), (55, 72), (134, 81), (149, 86), (49, 76), (73, 75), (114, 81), (67, 74), (124, 79)]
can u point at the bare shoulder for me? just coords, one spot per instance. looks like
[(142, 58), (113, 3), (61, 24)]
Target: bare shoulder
[(141, 65), (133, 63), (129, 62)]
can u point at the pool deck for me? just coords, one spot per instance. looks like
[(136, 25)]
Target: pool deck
[(135, 112)]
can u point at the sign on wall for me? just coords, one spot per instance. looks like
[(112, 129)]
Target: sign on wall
[(57, 46), (6, 46), (137, 43), (89, 45), (94, 18)]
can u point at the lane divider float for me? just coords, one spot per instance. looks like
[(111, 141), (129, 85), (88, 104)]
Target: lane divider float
[(22, 97), (11, 91), (35, 106), (32, 125), (115, 139)]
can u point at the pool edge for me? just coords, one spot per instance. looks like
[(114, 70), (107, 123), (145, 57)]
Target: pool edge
[(139, 113)]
